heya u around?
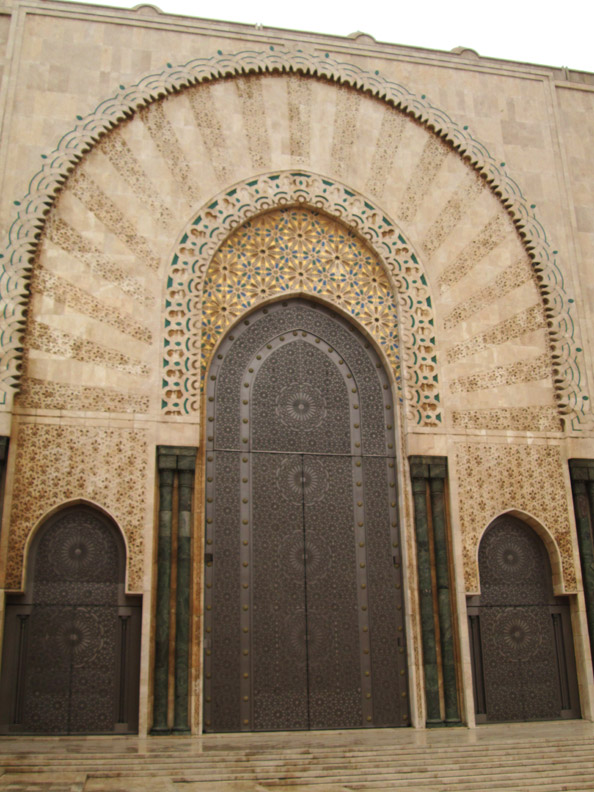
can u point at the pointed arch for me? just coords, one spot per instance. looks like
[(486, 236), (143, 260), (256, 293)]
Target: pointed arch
[(289, 472), (63, 507), (334, 210), (543, 533), (74, 667)]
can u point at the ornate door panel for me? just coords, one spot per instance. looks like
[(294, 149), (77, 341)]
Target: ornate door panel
[(331, 576), (385, 599), (278, 651), (524, 667), (226, 578), (72, 646), (304, 622)]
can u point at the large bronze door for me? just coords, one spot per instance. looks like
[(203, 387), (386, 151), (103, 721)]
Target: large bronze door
[(303, 598), (521, 639), (71, 643)]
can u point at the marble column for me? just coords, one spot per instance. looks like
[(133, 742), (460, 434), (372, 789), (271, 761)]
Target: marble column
[(582, 485), (176, 467), (428, 476), (186, 464), (166, 467), (3, 459)]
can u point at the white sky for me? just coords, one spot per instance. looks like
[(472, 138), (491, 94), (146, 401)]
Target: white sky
[(545, 32)]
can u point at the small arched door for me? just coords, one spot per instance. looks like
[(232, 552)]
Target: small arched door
[(304, 621), (521, 638), (72, 641)]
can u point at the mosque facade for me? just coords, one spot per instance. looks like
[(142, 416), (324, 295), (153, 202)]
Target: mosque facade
[(295, 376)]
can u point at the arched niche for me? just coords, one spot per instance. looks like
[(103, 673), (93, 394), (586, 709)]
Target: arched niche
[(548, 540), (72, 505), (521, 637), (72, 639)]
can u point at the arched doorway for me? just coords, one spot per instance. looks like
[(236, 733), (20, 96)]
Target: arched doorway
[(72, 641), (521, 637), (304, 621)]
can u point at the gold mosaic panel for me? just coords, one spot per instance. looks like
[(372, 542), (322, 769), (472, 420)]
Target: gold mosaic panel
[(496, 478), (58, 464), (302, 251)]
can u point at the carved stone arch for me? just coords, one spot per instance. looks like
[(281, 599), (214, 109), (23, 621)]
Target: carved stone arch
[(25, 231), (323, 303), (547, 538), (379, 243), (62, 507)]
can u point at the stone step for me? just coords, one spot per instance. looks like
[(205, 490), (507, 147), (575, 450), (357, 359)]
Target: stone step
[(394, 752), (314, 763), (166, 761), (534, 785), (343, 775), (197, 770), (518, 781)]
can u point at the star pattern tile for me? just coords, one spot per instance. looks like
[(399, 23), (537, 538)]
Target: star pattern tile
[(298, 250)]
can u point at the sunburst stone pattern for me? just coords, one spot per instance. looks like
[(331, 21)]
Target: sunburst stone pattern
[(298, 250), (301, 406), (519, 639), (302, 482)]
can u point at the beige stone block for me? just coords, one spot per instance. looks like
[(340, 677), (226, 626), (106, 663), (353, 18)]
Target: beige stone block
[(128, 784), (42, 781)]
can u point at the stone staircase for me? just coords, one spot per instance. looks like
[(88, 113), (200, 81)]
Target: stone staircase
[(506, 758)]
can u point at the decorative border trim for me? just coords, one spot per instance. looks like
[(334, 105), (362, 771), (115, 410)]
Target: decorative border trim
[(44, 186), (227, 211)]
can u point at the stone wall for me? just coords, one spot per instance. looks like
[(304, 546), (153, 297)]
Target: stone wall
[(442, 201)]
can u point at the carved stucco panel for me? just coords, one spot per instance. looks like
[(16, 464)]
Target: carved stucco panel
[(496, 478), (59, 464)]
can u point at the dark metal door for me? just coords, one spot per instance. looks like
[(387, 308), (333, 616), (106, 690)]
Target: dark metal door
[(521, 639), (71, 654), (304, 620)]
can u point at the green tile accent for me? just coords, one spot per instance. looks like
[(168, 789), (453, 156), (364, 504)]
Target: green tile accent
[(182, 616), (448, 659)]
